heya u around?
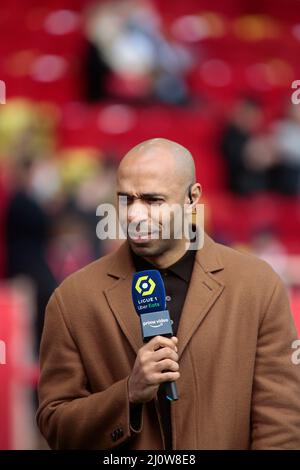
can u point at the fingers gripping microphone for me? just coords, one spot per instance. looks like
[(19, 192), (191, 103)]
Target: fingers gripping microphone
[(149, 299)]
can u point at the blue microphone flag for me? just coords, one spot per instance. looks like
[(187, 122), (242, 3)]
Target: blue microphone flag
[(148, 292), (149, 299)]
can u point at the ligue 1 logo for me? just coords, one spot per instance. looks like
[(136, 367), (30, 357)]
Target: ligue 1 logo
[(148, 292), (145, 285)]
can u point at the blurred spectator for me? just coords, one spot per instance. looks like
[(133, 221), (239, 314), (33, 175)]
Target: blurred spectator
[(87, 181), (129, 56), (3, 203), (71, 247), (248, 157), (27, 230), (287, 141), (266, 244)]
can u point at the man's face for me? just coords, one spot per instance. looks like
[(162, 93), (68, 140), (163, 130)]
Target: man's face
[(146, 188)]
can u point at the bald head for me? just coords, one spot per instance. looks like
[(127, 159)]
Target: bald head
[(156, 183), (162, 154)]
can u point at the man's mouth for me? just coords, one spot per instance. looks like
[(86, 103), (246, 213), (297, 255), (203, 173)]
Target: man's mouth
[(139, 237)]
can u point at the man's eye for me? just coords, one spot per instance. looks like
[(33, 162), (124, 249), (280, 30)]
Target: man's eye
[(154, 201), (125, 200)]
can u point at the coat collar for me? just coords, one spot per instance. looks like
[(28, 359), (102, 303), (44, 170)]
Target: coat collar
[(208, 257), (203, 292)]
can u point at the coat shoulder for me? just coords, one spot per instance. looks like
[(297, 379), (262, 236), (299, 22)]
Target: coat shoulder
[(246, 265), (89, 277)]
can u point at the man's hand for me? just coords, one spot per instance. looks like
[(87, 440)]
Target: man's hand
[(156, 362)]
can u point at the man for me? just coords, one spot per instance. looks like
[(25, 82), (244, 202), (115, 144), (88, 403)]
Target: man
[(246, 159), (231, 357)]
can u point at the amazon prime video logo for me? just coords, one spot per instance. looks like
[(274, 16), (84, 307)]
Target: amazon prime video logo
[(156, 323)]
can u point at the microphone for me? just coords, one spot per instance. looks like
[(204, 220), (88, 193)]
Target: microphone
[(149, 300)]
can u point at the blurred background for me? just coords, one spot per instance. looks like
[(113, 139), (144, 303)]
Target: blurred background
[(84, 82)]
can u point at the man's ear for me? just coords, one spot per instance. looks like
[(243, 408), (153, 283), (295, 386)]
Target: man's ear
[(190, 194), (195, 192)]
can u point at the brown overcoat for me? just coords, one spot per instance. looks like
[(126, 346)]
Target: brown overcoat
[(238, 387)]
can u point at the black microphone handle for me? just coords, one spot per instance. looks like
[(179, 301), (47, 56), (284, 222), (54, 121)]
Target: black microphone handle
[(170, 390)]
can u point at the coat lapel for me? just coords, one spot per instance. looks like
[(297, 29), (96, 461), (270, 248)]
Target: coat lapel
[(203, 292), (119, 296)]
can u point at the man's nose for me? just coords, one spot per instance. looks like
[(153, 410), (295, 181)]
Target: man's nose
[(137, 211)]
